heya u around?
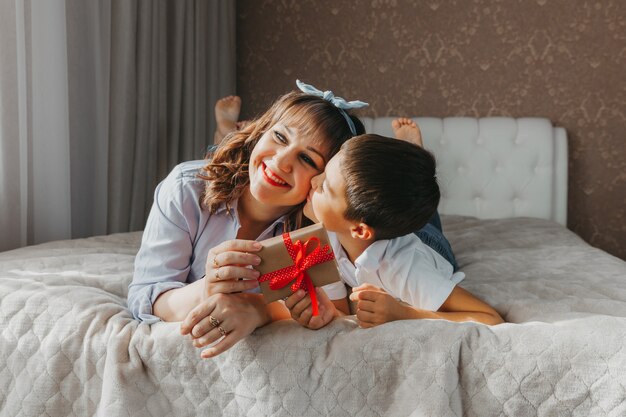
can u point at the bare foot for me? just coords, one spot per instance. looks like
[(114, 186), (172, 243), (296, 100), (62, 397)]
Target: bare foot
[(242, 124), (226, 115), (407, 129)]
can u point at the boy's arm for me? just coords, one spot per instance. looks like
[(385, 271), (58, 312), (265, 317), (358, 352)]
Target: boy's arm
[(462, 305), (375, 306)]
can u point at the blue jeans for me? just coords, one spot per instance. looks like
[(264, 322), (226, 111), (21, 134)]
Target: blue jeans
[(432, 235)]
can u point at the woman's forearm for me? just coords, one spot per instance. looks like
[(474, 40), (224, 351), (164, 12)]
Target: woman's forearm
[(174, 305)]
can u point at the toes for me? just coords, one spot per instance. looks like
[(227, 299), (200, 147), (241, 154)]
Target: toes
[(408, 122), (229, 100), (402, 121), (224, 99)]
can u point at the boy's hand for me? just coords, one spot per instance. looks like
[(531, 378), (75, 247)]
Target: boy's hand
[(299, 305), (375, 306)]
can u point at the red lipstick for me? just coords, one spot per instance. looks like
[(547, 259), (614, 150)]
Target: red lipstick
[(270, 180)]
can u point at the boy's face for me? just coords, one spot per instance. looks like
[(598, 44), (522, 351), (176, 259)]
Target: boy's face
[(326, 202)]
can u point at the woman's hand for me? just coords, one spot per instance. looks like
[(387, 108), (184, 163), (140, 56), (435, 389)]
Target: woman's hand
[(375, 306), (233, 316), (299, 305), (224, 310), (228, 269)]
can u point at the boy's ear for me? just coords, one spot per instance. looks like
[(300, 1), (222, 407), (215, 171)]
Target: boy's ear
[(362, 231)]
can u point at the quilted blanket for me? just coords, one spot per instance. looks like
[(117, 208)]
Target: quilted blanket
[(68, 345)]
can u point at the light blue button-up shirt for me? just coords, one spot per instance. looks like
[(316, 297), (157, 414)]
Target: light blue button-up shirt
[(178, 236)]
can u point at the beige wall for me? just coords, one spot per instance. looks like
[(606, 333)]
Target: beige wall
[(560, 59)]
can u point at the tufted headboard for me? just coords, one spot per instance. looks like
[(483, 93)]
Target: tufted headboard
[(495, 167)]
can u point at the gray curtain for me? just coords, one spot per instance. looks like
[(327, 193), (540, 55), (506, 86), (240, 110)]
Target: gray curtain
[(12, 230), (98, 101)]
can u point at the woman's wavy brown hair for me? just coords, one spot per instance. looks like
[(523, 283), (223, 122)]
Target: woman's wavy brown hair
[(227, 168)]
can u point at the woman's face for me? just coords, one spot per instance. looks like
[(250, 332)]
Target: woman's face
[(282, 164)]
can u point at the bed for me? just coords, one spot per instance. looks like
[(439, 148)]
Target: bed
[(68, 345)]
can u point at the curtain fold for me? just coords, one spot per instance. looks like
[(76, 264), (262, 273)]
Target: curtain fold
[(12, 183), (98, 101)]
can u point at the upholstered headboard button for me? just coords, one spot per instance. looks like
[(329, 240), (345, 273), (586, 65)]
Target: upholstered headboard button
[(528, 155)]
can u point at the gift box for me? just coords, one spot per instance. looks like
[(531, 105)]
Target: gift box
[(299, 259)]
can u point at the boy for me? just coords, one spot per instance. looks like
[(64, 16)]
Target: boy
[(370, 198)]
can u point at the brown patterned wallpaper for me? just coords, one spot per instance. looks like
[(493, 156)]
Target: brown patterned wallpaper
[(560, 59)]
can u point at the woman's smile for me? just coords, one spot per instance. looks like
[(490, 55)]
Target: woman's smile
[(272, 178)]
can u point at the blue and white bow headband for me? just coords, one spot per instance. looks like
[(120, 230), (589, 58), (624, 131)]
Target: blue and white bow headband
[(338, 102)]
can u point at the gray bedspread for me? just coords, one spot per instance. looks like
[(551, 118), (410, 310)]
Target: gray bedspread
[(68, 346)]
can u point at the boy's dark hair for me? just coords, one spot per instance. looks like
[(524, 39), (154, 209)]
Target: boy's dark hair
[(390, 184)]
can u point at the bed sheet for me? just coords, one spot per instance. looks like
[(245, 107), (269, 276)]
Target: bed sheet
[(68, 345)]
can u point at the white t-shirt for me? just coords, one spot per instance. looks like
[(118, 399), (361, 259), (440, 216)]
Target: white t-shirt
[(405, 267)]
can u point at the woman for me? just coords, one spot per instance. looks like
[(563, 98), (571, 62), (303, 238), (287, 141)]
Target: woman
[(200, 235)]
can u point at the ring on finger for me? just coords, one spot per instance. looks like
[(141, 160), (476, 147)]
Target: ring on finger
[(215, 264), (221, 330), (214, 322), (217, 274)]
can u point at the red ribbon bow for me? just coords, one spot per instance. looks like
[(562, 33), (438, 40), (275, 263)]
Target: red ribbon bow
[(301, 262)]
